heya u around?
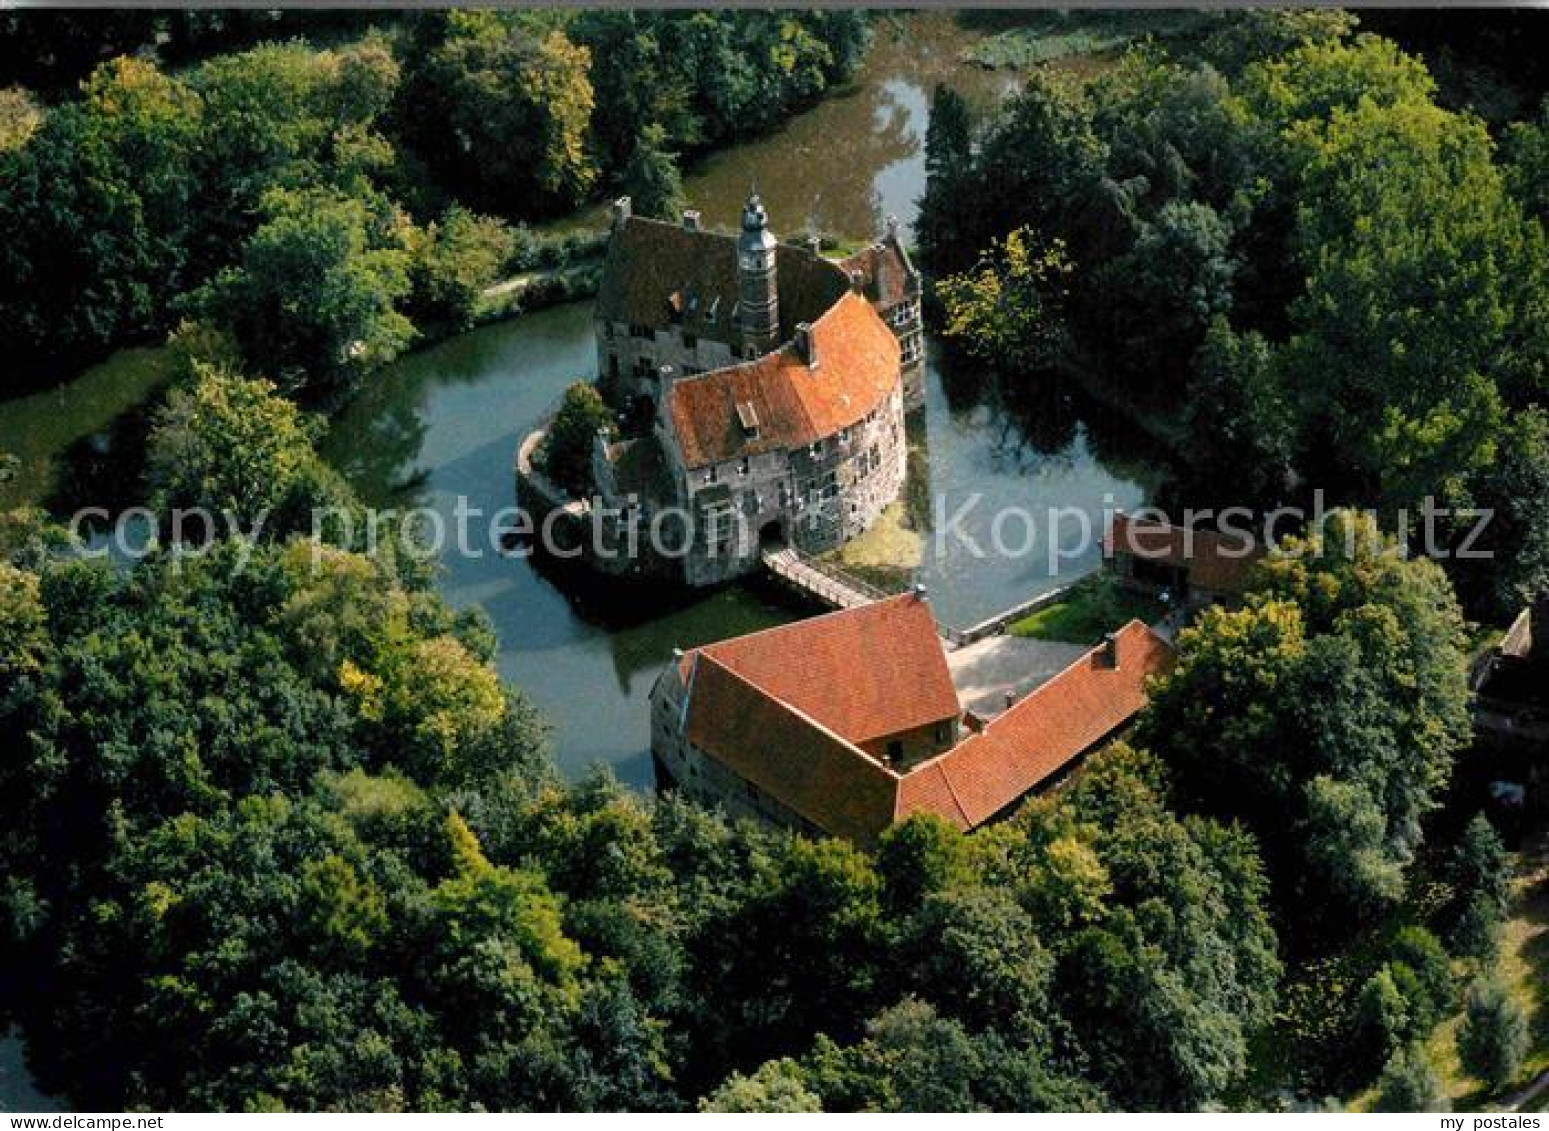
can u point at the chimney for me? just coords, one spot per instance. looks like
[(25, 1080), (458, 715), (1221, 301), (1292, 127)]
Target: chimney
[(892, 227), (1109, 656), (1011, 699), (815, 245), (623, 209), (806, 348), (858, 282), (920, 592), (691, 219)]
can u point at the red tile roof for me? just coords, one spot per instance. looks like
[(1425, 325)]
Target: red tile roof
[(1214, 562), (658, 273), (786, 710), (801, 764), (858, 367), (1041, 735), (863, 673)]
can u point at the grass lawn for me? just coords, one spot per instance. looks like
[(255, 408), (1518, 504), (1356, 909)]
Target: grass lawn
[(886, 555), (1048, 37), (1524, 964), (1093, 607)]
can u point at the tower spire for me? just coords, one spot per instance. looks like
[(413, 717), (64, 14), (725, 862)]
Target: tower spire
[(758, 288)]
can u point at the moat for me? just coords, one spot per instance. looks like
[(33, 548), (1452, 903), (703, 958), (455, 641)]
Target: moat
[(443, 423)]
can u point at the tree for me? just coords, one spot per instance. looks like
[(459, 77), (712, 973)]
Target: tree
[(920, 857), (1007, 311), (1239, 421), (1413, 250), (314, 299), (457, 259), (776, 1086), (651, 179), (98, 204), (20, 116), (1494, 1036), (501, 109), (1409, 1084), (1527, 171), (1479, 874), (1162, 294), (948, 157), (568, 450), (1383, 1021), (1325, 713), (1514, 492), (238, 450)]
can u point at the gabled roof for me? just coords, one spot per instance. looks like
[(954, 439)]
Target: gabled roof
[(863, 673), (857, 369), (658, 273), (1040, 736), (1214, 562), (785, 709), (887, 276), (788, 756)]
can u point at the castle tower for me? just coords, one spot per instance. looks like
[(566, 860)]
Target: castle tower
[(758, 290)]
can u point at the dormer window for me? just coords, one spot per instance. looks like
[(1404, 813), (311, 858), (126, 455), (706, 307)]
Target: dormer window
[(747, 416)]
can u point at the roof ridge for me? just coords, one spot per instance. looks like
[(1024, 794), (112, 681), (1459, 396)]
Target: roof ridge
[(792, 709), (1074, 665), (791, 626)]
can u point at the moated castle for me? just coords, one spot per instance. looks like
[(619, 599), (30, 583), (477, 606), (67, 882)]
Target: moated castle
[(763, 385)]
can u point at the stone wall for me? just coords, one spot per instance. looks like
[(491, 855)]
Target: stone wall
[(815, 498), (699, 776)]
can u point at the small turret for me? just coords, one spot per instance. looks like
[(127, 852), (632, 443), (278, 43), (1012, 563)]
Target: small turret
[(758, 290)]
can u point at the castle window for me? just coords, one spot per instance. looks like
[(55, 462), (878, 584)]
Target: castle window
[(844, 435), (690, 342)]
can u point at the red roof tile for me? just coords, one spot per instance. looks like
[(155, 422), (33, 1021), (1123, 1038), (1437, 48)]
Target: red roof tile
[(858, 366), (788, 756), (1214, 561), (863, 673), (1044, 733)]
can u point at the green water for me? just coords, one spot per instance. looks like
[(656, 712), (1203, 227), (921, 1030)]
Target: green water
[(443, 423)]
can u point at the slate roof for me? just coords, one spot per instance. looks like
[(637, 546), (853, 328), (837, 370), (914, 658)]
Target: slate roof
[(885, 271), (658, 273)]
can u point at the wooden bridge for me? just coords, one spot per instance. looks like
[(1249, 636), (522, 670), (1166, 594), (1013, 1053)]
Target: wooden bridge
[(822, 583)]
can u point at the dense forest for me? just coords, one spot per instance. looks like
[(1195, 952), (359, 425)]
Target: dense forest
[(314, 202), (1284, 249), (274, 836)]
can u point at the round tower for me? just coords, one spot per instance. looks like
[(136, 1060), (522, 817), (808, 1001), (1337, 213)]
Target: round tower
[(758, 306)]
